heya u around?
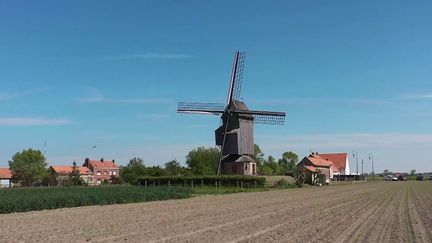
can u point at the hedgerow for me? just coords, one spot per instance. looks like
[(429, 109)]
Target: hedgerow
[(30, 199), (209, 180)]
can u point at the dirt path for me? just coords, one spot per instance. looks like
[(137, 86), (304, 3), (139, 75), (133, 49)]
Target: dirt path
[(363, 212)]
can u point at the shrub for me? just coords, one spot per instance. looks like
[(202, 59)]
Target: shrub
[(208, 180)]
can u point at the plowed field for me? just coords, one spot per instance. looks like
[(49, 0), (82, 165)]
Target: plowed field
[(361, 212)]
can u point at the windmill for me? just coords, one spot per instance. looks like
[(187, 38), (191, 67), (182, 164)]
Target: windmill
[(235, 135)]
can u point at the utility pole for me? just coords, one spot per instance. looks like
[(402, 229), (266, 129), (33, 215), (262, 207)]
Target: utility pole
[(354, 153), (373, 170), (362, 168)]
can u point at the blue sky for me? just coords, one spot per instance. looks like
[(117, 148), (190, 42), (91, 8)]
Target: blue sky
[(349, 74)]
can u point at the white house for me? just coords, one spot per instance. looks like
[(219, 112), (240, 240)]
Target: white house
[(340, 162)]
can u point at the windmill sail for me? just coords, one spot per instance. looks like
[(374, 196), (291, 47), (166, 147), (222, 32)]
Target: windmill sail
[(201, 108), (264, 117)]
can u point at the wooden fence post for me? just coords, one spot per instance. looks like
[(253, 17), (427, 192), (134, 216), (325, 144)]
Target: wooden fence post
[(202, 183), (145, 183), (192, 184)]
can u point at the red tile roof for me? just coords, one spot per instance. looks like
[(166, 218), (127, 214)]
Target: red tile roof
[(338, 159), (318, 161), (5, 173), (310, 168), (66, 169), (105, 164)]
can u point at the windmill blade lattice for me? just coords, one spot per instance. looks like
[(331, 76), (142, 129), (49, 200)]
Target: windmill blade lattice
[(239, 76), (264, 117), (198, 107)]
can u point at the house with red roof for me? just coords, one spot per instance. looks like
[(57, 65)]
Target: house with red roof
[(61, 173), (103, 170), (5, 177), (340, 162), (316, 166)]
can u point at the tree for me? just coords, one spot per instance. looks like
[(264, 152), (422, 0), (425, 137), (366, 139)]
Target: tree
[(174, 168), (134, 169), (299, 175), (413, 172), (203, 161), (28, 167), (288, 161), (74, 176), (270, 167), (386, 171)]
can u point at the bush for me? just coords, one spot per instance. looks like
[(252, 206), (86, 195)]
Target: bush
[(209, 180), (29, 199)]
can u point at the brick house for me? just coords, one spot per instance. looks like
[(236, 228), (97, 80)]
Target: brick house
[(314, 166), (103, 170), (61, 173), (5, 177)]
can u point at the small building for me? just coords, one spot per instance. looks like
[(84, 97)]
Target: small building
[(315, 166), (61, 173), (340, 162), (103, 170), (5, 177)]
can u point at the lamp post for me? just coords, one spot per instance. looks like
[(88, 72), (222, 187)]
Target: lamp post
[(354, 153), (373, 170)]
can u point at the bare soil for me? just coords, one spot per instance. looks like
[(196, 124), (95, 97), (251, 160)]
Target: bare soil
[(360, 212)]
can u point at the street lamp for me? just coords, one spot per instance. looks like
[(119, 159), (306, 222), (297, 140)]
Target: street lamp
[(354, 153), (371, 158)]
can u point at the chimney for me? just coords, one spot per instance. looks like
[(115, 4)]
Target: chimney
[(113, 161), (87, 160), (101, 160)]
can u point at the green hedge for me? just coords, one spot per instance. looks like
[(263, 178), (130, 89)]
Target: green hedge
[(30, 199), (210, 180)]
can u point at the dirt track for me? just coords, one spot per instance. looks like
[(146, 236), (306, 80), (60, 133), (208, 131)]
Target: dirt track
[(362, 212)]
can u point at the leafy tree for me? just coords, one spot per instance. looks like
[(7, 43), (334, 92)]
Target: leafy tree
[(299, 175), (116, 180), (75, 176), (266, 170), (28, 167), (154, 171), (271, 167), (413, 172), (134, 169), (174, 168), (258, 155), (288, 161), (203, 161)]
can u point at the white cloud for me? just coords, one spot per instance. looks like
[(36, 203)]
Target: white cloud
[(148, 56), (19, 121), (419, 96), (94, 95), (8, 95)]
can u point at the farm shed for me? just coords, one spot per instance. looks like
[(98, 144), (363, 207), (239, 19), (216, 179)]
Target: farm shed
[(5, 177), (315, 166)]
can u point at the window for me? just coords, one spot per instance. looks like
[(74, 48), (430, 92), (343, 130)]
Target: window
[(105, 173), (114, 172), (98, 173), (110, 173)]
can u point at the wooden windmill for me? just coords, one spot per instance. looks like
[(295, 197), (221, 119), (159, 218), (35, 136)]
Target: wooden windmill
[(235, 135)]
